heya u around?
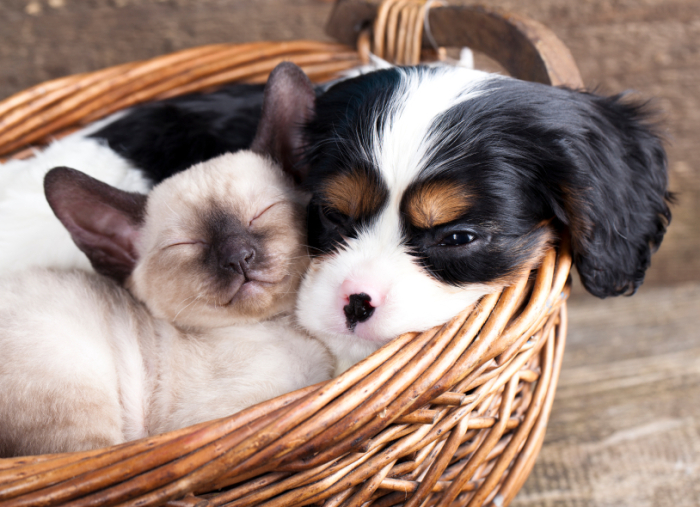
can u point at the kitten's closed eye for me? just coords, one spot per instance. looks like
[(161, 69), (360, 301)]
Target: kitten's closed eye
[(185, 242), (264, 211)]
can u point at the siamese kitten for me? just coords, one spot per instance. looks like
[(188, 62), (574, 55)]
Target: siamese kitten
[(189, 322)]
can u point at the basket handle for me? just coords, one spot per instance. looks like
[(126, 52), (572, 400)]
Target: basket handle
[(527, 49)]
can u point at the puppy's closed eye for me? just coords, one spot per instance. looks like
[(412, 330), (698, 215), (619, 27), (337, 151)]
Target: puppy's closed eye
[(336, 219)]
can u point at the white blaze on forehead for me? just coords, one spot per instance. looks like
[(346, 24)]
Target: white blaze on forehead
[(400, 148)]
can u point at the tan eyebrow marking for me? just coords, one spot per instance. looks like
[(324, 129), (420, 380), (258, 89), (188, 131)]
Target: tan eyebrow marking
[(354, 194), (437, 202)]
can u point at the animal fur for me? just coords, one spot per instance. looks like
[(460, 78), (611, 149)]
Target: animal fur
[(434, 186), (188, 319)]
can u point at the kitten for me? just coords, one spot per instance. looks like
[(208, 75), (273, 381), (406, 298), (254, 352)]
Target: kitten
[(189, 322)]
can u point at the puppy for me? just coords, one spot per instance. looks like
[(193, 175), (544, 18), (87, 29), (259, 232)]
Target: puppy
[(189, 322), (131, 150), (435, 186)]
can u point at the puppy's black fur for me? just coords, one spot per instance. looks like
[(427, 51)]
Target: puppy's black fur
[(532, 156), (529, 154), (166, 137)]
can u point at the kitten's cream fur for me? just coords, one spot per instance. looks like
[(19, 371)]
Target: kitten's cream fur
[(86, 364), (199, 332)]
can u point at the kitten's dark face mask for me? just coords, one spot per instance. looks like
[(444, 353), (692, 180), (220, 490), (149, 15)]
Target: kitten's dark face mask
[(223, 243)]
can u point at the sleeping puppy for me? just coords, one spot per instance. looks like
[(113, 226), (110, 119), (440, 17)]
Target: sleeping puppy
[(435, 186), (131, 150), (189, 322)]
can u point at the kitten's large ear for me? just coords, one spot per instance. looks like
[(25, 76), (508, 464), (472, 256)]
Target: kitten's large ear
[(288, 103), (614, 194), (103, 221)]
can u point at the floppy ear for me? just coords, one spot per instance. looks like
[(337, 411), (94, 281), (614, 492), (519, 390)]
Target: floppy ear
[(288, 103), (613, 195), (103, 221)]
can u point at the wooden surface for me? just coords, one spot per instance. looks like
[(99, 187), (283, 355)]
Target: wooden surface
[(625, 427)]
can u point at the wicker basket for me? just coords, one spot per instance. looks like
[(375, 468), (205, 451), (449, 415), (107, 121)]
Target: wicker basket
[(451, 416)]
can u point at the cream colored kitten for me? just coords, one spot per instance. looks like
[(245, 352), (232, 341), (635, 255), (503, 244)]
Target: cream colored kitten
[(190, 322)]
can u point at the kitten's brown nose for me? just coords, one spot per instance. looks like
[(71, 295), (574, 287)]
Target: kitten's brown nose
[(239, 259)]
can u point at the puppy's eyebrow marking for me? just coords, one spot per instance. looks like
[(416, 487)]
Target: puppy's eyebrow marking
[(436, 202), (355, 193)]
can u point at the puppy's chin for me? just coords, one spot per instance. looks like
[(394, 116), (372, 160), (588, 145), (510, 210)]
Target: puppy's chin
[(348, 350)]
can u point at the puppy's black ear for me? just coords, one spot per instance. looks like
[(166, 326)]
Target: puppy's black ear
[(613, 195), (103, 221), (288, 103)]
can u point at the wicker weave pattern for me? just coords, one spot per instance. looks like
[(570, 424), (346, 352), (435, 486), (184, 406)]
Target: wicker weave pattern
[(451, 416)]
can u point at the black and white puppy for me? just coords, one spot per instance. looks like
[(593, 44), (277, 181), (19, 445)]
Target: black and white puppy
[(435, 186)]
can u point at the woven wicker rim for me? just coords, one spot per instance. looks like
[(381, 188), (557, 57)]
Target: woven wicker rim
[(454, 414), (50, 108)]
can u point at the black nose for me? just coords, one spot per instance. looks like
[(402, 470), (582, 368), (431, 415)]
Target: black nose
[(240, 259), (358, 309)]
